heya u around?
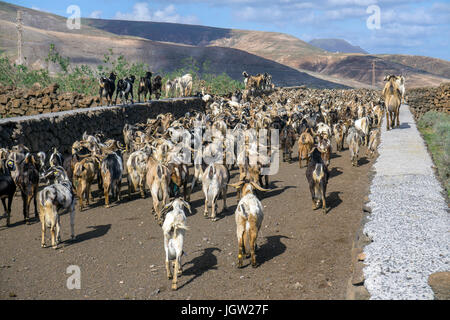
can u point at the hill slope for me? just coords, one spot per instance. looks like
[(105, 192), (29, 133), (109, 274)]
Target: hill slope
[(290, 60), (89, 46), (284, 49), (336, 45)]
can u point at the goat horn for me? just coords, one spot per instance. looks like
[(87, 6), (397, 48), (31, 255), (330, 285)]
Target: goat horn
[(237, 185), (257, 186)]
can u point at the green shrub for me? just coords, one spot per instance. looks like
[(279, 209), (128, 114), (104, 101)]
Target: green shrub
[(429, 119), (84, 79), (435, 127)]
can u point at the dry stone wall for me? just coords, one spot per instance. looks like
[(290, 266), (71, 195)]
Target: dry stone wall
[(422, 100), (44, 131), (16, 102)]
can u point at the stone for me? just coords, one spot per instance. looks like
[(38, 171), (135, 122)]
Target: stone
[(358, 274), (361, 256), (4, 99), (440, 284)]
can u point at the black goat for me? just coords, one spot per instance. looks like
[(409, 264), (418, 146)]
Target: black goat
[(317, 175), (28, 183), (124, 89), (107, 87), (156, 86), (287, 139), (145, 87), (7, 188)]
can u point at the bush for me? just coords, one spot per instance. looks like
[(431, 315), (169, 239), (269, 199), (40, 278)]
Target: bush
[(435, 127), (429, 119), (84, 79)]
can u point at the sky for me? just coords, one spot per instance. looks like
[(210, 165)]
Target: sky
[(415, 27)]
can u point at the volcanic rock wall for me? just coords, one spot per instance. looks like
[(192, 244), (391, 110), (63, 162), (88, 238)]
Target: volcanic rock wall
[(422, 100), (44, 131)]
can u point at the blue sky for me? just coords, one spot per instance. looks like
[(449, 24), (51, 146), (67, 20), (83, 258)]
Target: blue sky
[(415, 27)]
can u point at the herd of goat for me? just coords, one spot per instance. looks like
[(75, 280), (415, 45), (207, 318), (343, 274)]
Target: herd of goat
[(151, 155)]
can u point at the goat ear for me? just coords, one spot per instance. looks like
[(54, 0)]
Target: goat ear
[(187, 205)]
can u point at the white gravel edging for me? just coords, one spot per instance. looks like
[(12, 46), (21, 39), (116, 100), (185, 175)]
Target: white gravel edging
[(409, 224)]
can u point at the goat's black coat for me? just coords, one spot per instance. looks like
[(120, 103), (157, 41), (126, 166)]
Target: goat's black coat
[(156, 86), (316, 164), (7, 190), (287, 138), (145, 86), (28, 181), (125, 88), (107, 87)]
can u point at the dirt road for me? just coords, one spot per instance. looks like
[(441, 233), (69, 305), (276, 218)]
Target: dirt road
[(303, 254)]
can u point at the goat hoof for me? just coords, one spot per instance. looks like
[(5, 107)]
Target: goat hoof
[(174, 287), (255, 265), (43, 245)]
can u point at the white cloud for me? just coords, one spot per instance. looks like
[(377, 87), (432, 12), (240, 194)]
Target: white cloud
[(95, 14), (142, 12)]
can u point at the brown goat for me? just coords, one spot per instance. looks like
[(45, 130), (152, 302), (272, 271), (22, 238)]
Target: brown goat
[(305, 145), (392, 99), (84, 173), (249, 216)]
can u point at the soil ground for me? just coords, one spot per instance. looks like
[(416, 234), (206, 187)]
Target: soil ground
[(303, 254)]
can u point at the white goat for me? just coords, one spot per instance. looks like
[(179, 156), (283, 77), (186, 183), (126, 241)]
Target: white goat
[(248, 216), (137, 170), (174, 229), (184, 85), (214, 181)]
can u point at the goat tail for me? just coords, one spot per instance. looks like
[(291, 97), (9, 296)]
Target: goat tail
[(160, 193), (46, 196), (178, 226)]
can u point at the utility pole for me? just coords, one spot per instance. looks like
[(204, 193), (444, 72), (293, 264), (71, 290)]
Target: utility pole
[(19, 26), (373, 73)]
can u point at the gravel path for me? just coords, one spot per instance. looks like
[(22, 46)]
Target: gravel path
[(409, 224)]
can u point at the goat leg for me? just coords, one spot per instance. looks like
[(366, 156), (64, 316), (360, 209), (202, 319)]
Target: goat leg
[(387, 119), (205, 213), (224, 196), (58, 230), (253, 235), (42, 233), (213, 210), (53, 234), (168, 270), (36, 214), (324, 201), (106, 192), (142, 188), (175, 275), (240, 248)]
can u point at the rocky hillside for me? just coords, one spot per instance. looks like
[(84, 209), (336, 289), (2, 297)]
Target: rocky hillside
[(163, 46), (336, 45), (284, 49), (89, 48)]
